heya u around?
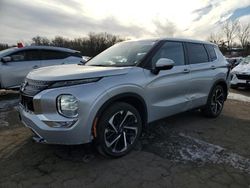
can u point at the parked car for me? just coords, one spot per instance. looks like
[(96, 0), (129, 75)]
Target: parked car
[(241, 74), (16, 63), (116, 94), (234, 61)]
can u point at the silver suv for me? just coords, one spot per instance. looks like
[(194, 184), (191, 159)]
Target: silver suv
[(16, 63), (117, 93)]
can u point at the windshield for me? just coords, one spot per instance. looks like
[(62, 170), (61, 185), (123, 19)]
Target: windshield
[(122, 54), (6, 52), (246, 60)]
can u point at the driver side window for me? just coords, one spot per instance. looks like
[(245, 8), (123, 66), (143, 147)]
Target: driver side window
[(170, 50)]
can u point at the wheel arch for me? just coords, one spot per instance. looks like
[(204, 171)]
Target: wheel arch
[(222, 83), (131, 98)]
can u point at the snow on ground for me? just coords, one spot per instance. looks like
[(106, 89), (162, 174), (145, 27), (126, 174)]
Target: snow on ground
[(238, 97), (182, 148), (203, 152)]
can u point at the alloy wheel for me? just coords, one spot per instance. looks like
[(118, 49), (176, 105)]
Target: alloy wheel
[(121, 131), (217, 100)]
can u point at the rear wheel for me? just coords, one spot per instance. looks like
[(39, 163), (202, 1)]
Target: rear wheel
[(215, 102), (118, 129)]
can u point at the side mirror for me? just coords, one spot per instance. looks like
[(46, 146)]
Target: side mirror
[(6, 59), (163, 64)]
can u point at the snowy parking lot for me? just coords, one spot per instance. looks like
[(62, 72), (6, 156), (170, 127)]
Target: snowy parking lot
[(185, 149)]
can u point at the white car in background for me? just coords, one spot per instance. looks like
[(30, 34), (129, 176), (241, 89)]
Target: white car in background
[(241, 74), (16, 63)]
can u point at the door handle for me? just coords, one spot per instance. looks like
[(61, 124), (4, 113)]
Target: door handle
[(35, 67), (213, 67), (186, 71)]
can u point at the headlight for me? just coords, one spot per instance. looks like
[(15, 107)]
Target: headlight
[(67, 105), (73, 82)]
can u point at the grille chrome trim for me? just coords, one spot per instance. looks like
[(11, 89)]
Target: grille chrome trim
[(29, 89), (32, 87)]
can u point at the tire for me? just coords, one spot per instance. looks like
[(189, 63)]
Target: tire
[(118, 130), (215, 102)]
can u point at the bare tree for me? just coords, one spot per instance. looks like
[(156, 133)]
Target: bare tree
[(90, 45), (38, 40), (216, 38), (230, 29), (3, 46), (60, 42), (243, 34)]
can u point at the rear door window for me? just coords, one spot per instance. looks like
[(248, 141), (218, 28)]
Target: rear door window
[(211, 52), (196, 53), (53, 54)]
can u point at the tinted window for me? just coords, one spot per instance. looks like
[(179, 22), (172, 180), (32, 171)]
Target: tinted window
[(76, 54), (211, 52), (171, 50), (197, 53), (52, 54), (26, 55)]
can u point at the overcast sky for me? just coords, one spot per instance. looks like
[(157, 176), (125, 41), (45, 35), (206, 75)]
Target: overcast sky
[(20, 20)]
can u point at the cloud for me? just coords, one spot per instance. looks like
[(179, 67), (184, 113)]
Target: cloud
[(24, 19), (212, 21), (202, 11), (240, 12), (245, 19), (164, 28), (49, 22)]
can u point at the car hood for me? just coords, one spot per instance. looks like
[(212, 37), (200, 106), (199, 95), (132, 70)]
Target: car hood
[(242, 68), (73, 72)]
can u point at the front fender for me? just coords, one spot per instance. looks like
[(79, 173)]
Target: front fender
[(111, 95)]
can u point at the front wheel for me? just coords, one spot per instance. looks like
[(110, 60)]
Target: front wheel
[(215, 102), (118, 129)]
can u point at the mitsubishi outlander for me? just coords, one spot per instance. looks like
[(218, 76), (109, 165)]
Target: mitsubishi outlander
[(112, 98)]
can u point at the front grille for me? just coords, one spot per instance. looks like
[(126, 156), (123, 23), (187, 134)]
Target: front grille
[(29, 89), (243, 76), (32, 87), (27, 102)]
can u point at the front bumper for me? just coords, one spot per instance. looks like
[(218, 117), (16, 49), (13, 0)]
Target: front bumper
[(43, 118), (45, 134), (236, 82)]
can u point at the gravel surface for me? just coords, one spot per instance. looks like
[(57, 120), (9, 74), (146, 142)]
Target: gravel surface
[(185, 150)]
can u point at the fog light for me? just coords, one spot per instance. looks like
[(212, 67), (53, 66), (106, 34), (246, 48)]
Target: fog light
[(67, 105)]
